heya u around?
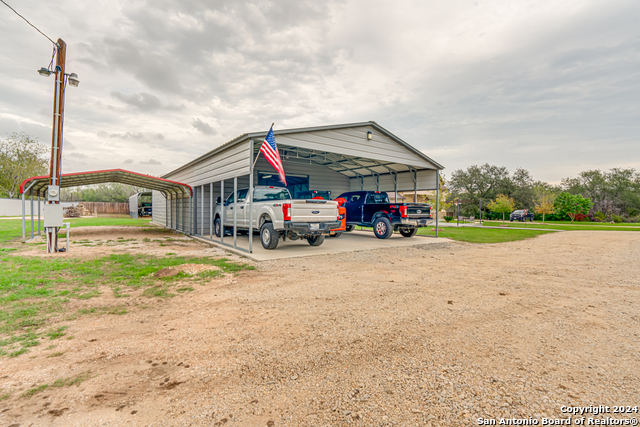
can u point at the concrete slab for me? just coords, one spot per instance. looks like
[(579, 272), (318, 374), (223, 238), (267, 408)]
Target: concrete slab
[(348, 242)]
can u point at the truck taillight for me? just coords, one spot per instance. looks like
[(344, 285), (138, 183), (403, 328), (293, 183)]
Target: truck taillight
[(403, 211), (286, 211)]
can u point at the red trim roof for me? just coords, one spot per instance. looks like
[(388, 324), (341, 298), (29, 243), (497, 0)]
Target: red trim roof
[(147, 181)]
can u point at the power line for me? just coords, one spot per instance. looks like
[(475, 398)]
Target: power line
[(25, 19)]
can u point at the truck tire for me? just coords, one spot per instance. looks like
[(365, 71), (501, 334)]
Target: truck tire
[(350, 228), (269, 237), (217, 227), (382, 228), (316, 240), (408, 232), (335, 235)]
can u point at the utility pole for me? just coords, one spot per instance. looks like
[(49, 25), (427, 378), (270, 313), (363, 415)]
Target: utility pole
[(53, 215)]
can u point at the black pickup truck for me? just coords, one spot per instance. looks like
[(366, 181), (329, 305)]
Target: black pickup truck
[(373, 209)]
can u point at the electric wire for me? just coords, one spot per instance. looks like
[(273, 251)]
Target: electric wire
[(25, 20)]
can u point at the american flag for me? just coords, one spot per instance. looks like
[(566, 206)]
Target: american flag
[(270, 151)]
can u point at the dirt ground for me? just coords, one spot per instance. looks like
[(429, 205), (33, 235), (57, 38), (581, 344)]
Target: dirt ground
[(435, 335)]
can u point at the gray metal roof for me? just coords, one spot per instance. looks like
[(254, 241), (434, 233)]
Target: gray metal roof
[(263, 134)]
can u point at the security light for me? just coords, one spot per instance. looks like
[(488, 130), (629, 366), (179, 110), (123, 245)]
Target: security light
[(73, 80), (44, 72), (370, 135)]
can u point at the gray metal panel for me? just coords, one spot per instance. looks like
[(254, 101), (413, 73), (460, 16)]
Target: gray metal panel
[(133, 206), (225, 165), (158, 208), (427, 180), (320, 177), (353, 142)]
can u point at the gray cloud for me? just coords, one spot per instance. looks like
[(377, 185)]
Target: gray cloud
[(151, 162), (128, 161), (203, 127), (142, 100), (536, 84)]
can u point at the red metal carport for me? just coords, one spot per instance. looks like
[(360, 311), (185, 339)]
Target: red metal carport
[(37, 185)]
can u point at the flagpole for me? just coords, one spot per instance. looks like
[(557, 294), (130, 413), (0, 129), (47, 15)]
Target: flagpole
[(256, 160)]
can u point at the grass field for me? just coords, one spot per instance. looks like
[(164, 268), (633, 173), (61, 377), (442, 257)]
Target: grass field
[(11, 229), (561, 225), (479, 235), (33, 290)]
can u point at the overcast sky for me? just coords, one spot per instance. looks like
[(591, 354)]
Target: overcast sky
[(550, 86)]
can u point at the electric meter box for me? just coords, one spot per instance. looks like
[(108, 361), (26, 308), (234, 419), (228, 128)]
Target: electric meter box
[(53, 193), (52, 216)]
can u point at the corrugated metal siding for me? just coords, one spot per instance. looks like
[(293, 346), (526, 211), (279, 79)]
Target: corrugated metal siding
[(320, 177), (133, 206), (227, 164), (426, 181), (353, 142), (158, 208)]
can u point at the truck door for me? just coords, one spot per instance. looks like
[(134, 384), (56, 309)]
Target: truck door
[(243, 207), (354, 208)]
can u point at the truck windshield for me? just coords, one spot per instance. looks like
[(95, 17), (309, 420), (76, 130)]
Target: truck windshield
[(266, 194), (377, 198)]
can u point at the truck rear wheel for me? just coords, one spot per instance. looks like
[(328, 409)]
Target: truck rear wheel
[(269, 237), (217, 227), (316, 240), (408, 231), (382, 228)]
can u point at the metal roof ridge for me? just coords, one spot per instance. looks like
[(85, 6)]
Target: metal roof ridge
[(249, 135)]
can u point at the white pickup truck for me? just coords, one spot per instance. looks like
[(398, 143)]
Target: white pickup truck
[(277, 216)]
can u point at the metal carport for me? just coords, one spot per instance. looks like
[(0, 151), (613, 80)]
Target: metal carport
[(337, 158), (37, 186)]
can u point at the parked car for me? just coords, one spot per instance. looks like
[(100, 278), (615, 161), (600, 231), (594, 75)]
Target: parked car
[(373, 209), (144, 209), (314, 194), (277, 216), (520, 215)]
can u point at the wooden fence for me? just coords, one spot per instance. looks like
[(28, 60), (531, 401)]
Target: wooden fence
[(107, 208)]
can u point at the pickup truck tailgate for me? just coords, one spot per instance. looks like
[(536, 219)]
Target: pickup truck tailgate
[(416, 210), (314, 210)]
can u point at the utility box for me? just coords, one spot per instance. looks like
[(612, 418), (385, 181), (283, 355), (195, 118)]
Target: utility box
[(52, 215)]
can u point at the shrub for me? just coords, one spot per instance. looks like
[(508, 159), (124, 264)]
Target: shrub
[(600, 216), (448, 218), (581, 217), (616, 218)]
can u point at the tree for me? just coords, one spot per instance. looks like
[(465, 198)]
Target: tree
[(112, 192), (21, 157), (544, 204), (571, 205), (503, 204)]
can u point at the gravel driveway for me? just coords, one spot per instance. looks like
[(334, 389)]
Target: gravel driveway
[(436, 335)]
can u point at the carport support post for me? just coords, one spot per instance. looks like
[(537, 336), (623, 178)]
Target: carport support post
[(235, 211), (39, 213), (222, 211), (437, 199), (24, 237), (194, 215), (202, 210), (250, 195), (211, 210), (192, 211), (31, 194)]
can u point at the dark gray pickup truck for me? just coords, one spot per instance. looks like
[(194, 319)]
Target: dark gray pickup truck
[(373, 209)]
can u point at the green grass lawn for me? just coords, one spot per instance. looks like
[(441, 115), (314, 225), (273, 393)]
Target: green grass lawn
[(33, 290), (11, 229), (478, 235), (482, 235), (561, 225)]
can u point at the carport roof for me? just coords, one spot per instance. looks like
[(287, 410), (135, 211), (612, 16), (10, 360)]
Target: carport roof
[(360, 163), (40, 183)]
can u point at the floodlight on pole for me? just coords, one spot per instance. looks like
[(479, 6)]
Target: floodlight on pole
[(73, 80), (44, 72)]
